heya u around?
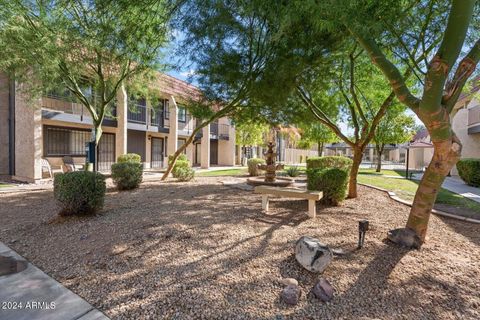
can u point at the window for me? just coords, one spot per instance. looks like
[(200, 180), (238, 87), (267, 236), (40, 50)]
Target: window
[(60, 142), (166, 109), (181, 142), (182, 114)]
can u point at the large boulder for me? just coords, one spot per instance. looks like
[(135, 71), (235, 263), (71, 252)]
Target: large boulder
[(312, 254), (405, 237)]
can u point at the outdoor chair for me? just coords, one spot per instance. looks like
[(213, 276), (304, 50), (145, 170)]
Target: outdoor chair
[(70, 165), (52, 170)]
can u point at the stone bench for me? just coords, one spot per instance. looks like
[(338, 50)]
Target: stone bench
[(311, 196)]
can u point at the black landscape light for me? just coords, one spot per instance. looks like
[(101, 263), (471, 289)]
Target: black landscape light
[(362, 229)]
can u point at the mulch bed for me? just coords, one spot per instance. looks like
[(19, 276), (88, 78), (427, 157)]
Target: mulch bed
[(202, 250)]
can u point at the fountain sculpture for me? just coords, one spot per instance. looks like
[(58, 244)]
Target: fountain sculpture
[(270, 168)]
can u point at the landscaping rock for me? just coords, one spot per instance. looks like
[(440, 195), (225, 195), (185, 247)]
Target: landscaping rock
[(312, 254), (289, 282), (323, 290), (405, 237), (291, 294)]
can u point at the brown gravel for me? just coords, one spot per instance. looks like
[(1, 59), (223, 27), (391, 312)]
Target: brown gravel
[(205, 251)]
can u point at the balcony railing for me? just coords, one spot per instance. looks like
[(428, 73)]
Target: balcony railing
[(474, 116), (137, 113), (159, 118), (219, 131), (68, 104)]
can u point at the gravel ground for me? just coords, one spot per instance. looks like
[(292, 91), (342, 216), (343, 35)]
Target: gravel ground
[(205, 251)]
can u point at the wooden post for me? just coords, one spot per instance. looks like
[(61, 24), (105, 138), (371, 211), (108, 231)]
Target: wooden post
[(265, 202), (312, 208)]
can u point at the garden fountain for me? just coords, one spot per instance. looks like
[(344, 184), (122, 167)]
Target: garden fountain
[(270, 168)]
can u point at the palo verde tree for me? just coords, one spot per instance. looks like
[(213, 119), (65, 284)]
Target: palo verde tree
[(87, 48), (250, 133), (225, 76), (389, 29), (315, 133), (396, 127)]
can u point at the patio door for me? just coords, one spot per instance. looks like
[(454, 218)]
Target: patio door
[(157, 152), (106, 151), (213, 152)]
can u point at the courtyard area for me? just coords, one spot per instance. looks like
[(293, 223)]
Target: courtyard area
[(203, 250)]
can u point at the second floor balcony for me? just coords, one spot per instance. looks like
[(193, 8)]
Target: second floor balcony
[(65, 107)]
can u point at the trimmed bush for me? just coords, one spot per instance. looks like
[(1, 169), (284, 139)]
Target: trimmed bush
[(129, 157), (292, 171), (252, 164), (127, 175), (180, 165), (332, 181), (329, 162), (469, 171), (181, 157), (185, 174), (79, 192)]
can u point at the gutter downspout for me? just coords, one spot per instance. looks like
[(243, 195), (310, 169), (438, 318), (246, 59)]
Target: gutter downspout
[(11, 128)]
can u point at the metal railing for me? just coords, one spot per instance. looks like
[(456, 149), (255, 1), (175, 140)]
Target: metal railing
[(219, 131), (137, 113), (159, 118), (69, 104)]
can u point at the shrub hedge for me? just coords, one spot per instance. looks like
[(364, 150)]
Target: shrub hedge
[(129, 157), (185, 174), (252, 164), (332, 181), (79, 192), (180, 165), (469, 171), (127, 175), (329, 162)]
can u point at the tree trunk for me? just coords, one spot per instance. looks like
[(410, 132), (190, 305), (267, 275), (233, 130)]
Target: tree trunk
[(320, 148), (98, 134), (352, 183), (445, 156), (379, 158)]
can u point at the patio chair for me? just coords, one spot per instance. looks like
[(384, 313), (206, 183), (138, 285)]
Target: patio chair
[(70, 165), (52, 170)]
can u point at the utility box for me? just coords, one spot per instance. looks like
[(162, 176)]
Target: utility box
[(90, 152)]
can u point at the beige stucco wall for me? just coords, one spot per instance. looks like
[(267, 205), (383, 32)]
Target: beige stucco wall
[(28, 137), (4, 126), (470, 142), (226, 148), (293, 156)]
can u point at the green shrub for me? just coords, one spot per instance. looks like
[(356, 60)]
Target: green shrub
[(329, 162), (127, 175), (185, 174), (181, 157), (469, 171), (333, 182), (253, 166), (292, 171), (129, 157), (179, 165), (79, 192)]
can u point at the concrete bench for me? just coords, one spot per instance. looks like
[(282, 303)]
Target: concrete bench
[(311, 196)]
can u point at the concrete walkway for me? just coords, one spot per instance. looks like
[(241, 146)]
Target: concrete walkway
[(456, 185), (37, 296)]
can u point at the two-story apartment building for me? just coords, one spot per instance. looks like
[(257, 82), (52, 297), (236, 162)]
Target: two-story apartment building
[(465, 123), (53, 126)]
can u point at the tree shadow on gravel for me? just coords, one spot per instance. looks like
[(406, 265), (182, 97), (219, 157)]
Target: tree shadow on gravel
[(469, 230)]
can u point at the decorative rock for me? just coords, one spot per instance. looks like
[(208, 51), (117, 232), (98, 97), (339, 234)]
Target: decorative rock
[(312, 254), (289, 282), (405, 237), (323, 290), (291, 294)]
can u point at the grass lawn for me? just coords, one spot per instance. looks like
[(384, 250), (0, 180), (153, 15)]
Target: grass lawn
[(406, 189), (4, 185), (221, 173)]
